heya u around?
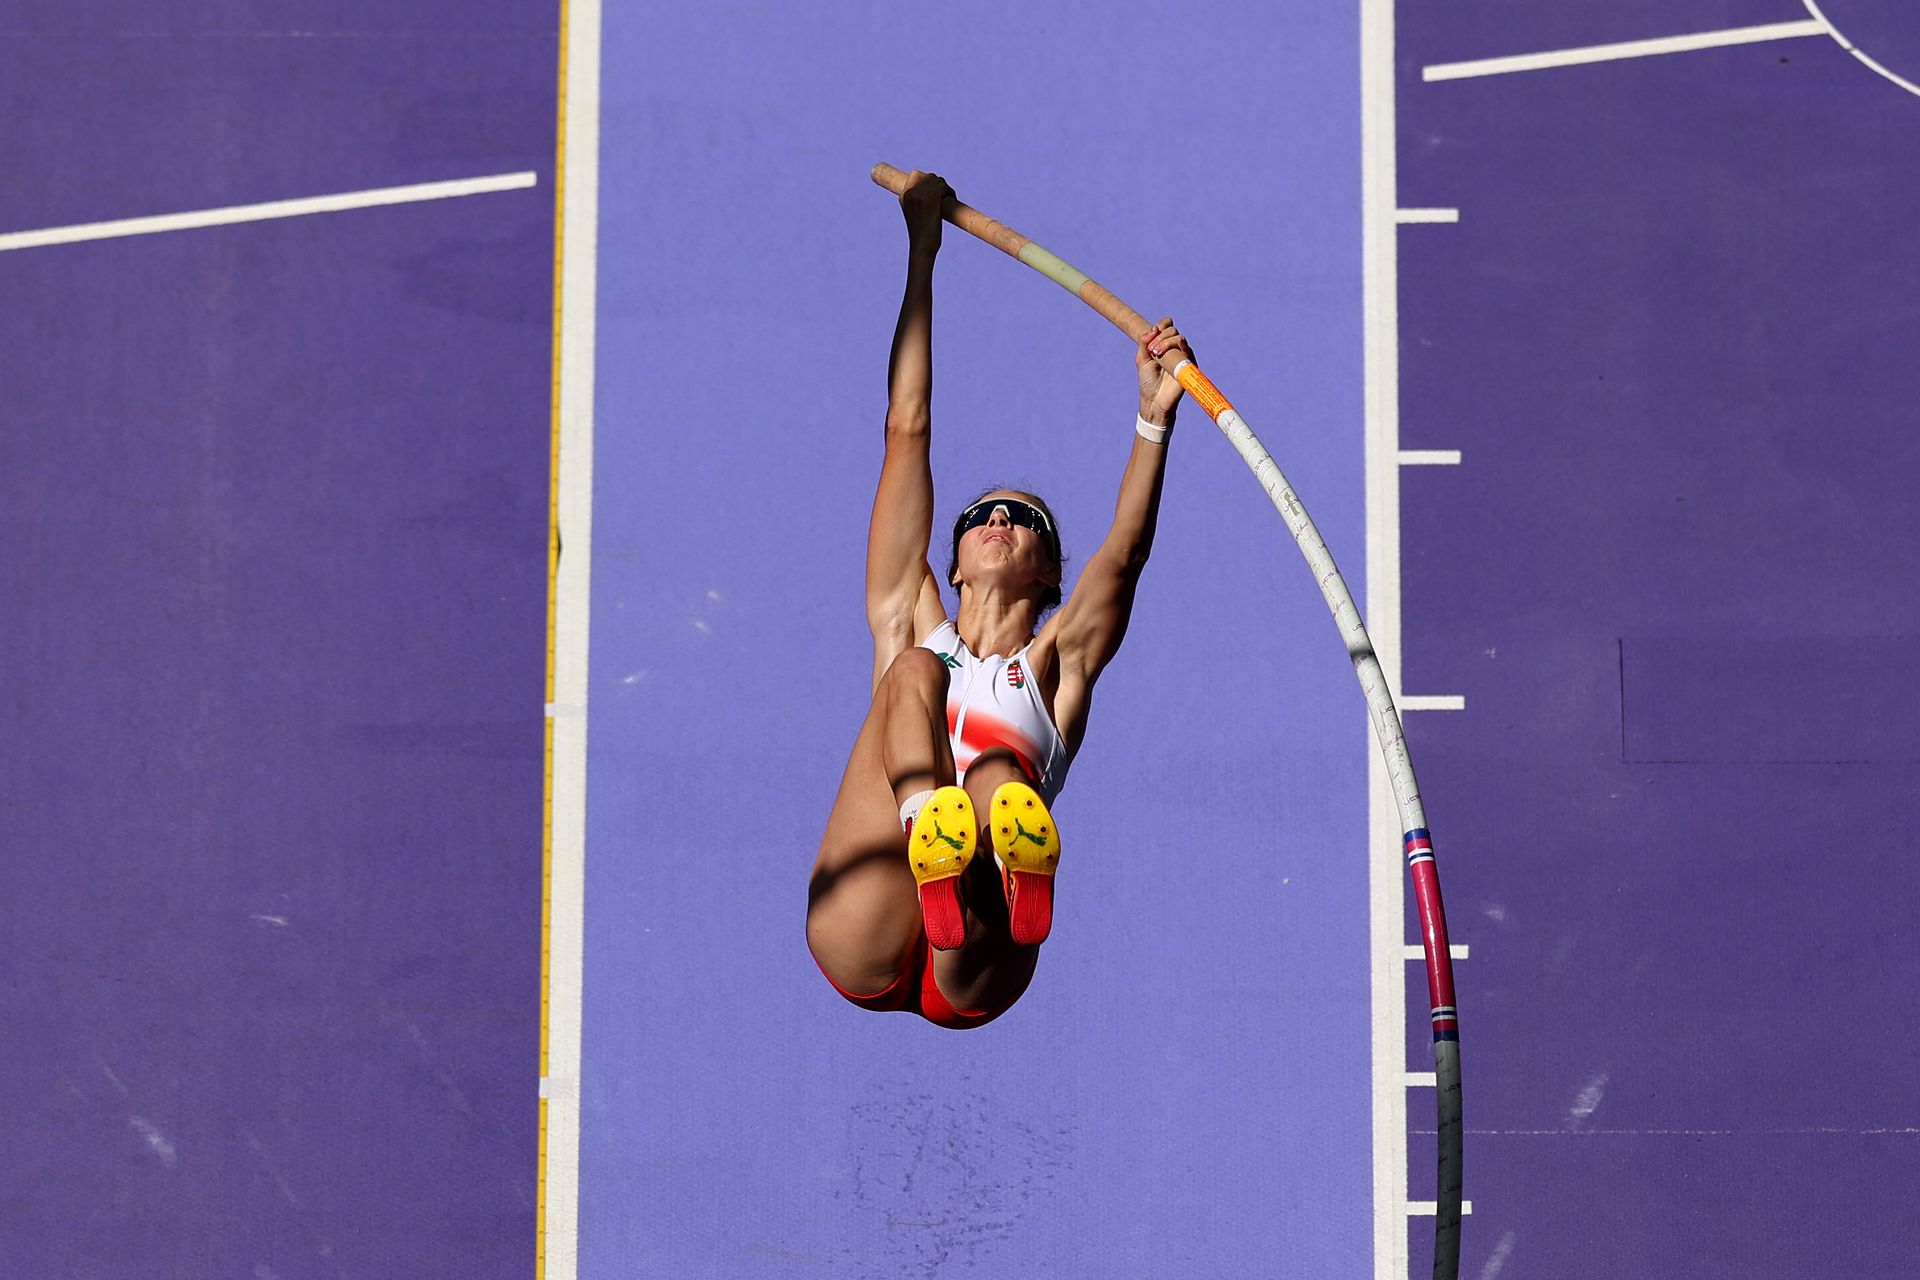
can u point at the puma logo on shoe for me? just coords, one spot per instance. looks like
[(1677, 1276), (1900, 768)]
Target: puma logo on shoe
[(1038, 840)]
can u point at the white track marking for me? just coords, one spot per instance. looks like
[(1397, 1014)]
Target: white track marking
[(1433, 702), (1848, 45), (1427, 1208), (1386, 890), (1422, 1079), (1625, 49), (566, 918), (1458, 950), (1429, 457), (1405, 216), (265, 212)]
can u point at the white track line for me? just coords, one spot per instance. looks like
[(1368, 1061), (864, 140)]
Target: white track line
[(1433, 702), (1429, 457), (1386, 892), (567, 906), (1848, 45), (1406, 216), (263, 212), (1626, 49), (1427, 1208), (1458, 950)]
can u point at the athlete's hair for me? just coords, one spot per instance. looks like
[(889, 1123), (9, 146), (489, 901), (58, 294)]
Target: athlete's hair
[(1051, 596)]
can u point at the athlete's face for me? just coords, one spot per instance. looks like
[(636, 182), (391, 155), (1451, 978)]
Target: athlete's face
[(1004, 545)]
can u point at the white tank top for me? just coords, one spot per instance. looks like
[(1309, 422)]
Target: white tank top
[(994, 702)]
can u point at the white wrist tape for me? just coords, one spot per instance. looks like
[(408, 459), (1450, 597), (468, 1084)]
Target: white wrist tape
[(1147, 431)]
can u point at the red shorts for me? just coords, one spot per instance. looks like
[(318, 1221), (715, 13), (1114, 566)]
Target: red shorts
[(916, 992)]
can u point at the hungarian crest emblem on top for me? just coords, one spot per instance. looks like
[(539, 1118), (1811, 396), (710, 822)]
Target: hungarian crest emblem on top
[(1015, 676)]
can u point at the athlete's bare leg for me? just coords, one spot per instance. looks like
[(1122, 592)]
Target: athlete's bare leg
[(863, 909), (914, 748)]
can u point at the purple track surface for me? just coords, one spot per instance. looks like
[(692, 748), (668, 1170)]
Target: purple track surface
[(274, 504), (1183, 1089), (273, 499), (1671, 336)]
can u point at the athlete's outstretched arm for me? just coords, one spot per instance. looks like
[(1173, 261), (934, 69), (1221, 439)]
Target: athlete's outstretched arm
[(1093, 621), (897, 572)]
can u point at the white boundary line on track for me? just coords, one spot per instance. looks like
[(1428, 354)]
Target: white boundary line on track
[(1433, 702), (1386, 892), (567, 910), (1624, 49), (1848, 45), (1429, 457), (265, 212), (1407, 217), (1427, 1208)]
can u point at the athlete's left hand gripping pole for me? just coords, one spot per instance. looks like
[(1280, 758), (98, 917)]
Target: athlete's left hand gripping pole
[(1417, 844)]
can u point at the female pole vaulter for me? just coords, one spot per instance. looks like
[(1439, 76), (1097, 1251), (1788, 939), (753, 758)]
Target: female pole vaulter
[(901, 913)]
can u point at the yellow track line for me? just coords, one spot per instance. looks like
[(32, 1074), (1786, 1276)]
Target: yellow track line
[(553, 579)]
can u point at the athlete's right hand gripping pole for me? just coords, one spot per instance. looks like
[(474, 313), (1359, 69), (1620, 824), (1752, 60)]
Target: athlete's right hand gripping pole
[(1417, 844)]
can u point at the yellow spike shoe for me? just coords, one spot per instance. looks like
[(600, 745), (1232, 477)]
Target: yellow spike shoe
[(940, 844), (1028, 842)]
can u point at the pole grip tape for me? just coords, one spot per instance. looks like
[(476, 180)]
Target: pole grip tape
[(1201, 388)]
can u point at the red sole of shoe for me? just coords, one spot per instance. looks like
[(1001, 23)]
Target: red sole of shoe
[(940, 908), (1032, 907)]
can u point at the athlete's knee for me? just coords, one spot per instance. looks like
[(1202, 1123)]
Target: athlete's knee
[(917, 669)]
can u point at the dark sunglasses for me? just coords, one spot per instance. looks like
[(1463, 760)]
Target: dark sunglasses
[(1018, 512)]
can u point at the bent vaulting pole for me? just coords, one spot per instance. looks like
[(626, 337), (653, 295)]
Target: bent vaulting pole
[(1418, 846)]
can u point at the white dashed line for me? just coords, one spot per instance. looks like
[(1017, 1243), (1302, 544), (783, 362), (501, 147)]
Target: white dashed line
[(1433, 702)]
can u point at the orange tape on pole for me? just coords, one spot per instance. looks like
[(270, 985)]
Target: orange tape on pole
[(1201, 388)]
